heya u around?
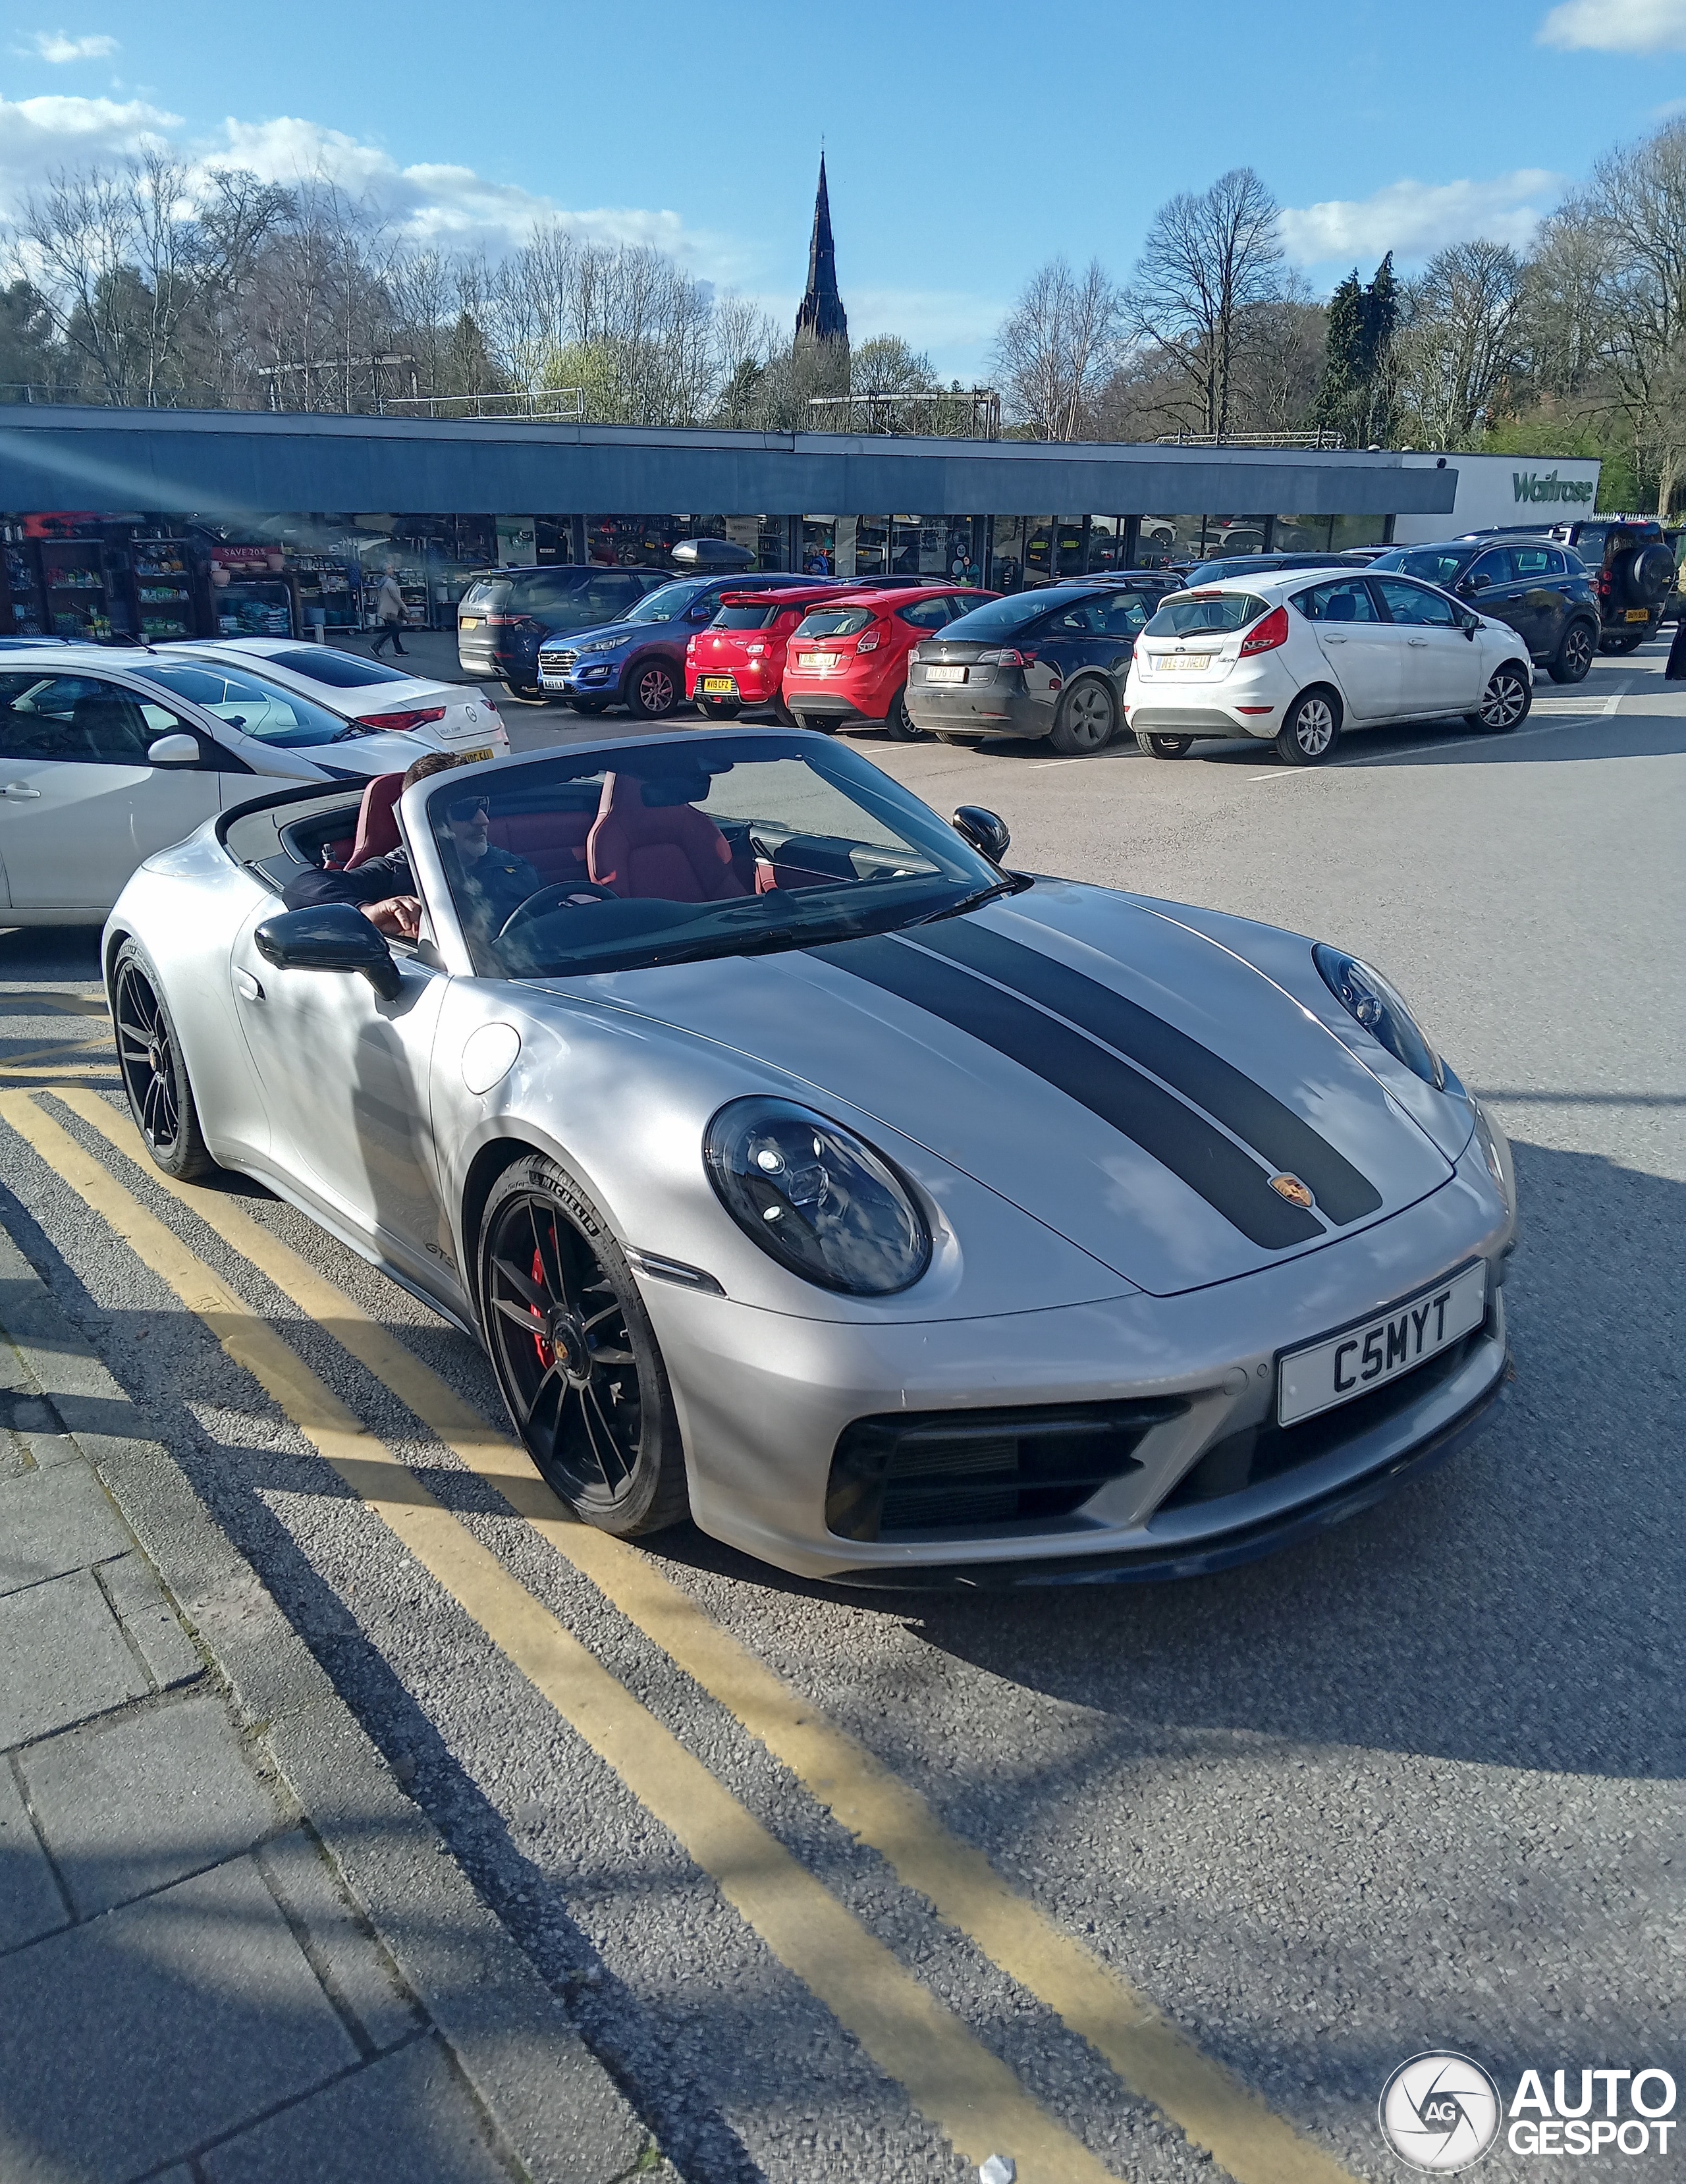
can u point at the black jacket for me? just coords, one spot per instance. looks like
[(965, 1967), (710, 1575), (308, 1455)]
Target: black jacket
[(489, 889)]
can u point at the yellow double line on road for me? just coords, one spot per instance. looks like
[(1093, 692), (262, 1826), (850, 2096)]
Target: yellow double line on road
[(966, 2091)]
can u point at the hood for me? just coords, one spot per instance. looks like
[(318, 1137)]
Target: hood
[(595, 632), (1129, 1083)]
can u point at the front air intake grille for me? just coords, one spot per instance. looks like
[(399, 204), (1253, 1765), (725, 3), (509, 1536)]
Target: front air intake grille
[(928, 1474), (558, 663), (1260, 1452)]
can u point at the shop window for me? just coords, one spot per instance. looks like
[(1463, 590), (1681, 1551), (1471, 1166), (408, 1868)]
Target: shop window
[(1346, 530), (1302, 534)]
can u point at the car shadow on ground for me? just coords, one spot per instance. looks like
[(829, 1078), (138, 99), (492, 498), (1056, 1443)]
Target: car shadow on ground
[(1514, 1609)]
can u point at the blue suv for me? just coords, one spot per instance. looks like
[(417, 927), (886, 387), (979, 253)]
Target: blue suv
[(637, 660)]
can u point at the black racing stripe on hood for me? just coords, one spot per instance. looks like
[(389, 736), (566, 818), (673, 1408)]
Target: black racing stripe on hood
[(1255, 1116), (1144, 1112)]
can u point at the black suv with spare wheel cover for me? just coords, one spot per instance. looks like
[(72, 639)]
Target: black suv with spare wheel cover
[(1632, 562), (1537, 585), (505, 615)]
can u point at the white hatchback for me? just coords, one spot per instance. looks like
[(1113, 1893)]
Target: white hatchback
[(107, 756), (1297, 658), (366, 693)]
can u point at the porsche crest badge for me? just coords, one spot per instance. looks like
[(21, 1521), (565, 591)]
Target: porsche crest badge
[(1292, 1188)]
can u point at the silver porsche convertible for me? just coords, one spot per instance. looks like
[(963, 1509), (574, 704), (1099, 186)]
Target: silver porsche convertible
[(898, 1217)]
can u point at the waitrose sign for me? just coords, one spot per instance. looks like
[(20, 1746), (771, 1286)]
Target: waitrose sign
[(1530, 485)]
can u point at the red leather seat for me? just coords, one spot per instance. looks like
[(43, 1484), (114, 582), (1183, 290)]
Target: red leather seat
[(662, 853), (554, 843), (378, 824)]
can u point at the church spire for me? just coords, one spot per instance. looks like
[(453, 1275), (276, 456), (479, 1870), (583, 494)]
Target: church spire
[(822, 317)]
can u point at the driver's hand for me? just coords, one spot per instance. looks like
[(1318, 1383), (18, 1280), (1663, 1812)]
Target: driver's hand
[(398, 916)]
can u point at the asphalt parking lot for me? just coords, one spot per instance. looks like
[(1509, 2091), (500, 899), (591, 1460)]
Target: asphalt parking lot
[(1416, 1786)]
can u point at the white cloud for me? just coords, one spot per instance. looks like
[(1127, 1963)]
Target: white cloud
[(1413, 219), (53, 45), (39, 134), (1617, 26)]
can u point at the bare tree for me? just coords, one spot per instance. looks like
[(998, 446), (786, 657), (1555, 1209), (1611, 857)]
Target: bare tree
[(1056, 348), (1460, 353), (1637, 208), (1207, 262)]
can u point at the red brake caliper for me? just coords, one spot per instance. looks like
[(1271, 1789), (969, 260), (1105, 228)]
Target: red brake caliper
[(546, 1354)]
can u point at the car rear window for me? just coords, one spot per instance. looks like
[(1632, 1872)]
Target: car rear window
[(745, 618), (1185, 612), (1003, 617), (340, 670), (487, 596), (835, 621)]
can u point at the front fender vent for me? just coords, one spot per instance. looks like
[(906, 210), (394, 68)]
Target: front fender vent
[(929, 1474)]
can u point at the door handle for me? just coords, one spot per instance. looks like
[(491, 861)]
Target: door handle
[(249, 988), (21, 791), (1329, 639), (1416, 640)]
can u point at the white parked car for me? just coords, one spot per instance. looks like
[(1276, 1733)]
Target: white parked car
[(1298, 658), (109, 756), (451, 716)]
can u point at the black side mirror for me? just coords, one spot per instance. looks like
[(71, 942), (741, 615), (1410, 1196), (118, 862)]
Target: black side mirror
[(331, 937), (1476, 581), (986, 831)]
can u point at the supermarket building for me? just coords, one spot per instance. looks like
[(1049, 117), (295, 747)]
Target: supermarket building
[(162, 522)]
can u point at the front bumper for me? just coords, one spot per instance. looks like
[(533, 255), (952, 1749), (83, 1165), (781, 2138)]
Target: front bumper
[(986, 708), (764, 1399)]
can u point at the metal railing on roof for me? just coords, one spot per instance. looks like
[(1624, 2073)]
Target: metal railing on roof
[(1333, 442), (563, 405), (888, 413)]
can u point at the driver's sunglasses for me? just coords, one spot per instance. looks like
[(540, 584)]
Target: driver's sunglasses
[(468, 807)]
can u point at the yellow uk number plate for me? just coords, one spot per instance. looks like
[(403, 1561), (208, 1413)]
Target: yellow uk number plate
[(720, 686), (469, 621), (470, 758), (1639, 613)]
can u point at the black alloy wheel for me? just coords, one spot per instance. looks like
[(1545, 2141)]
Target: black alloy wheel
[(901, 724), (1157, 746), (154, 1074), (1505, 701), (1312, 728), (574, 1353), (652, 690), (1086, 721), (1574, 655)]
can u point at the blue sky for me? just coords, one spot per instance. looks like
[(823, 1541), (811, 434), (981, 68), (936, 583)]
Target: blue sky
[(965, 144)]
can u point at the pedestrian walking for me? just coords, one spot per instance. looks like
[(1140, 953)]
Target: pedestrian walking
[(1676, 670), (389, 607)]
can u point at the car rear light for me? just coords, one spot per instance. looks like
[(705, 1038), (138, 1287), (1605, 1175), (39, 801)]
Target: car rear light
[(406, 717), (1008, 659), (523, 625), (490, 704), (1266, 635), (869, 641)]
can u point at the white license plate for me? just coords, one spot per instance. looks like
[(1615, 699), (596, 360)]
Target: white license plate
[(818, 662), (554, 681), (1345, 1366), (945, 675), (1183, 663)]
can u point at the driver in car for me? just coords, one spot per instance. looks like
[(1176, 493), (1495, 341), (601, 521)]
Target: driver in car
[(494, 881)]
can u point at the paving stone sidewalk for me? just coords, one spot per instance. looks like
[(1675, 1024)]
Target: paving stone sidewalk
[(231, 1950)]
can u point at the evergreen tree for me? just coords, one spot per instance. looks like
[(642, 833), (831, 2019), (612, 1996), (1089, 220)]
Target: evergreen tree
[(1381, 321), (1344, 356)]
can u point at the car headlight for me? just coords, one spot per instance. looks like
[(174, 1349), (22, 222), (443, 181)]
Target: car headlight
[(816, 1197), (1370, 1001), (603, 644)]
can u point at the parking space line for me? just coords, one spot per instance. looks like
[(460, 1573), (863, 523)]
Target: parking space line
[(33, 1001), (967, 2093), (1158, 2062)]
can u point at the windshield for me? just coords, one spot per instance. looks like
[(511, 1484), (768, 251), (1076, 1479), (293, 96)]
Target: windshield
[(749, 844), (340, 670), (262, 710), (835, 621), (662, 604), (1432, 564), (1184, 614), (1002, 617)]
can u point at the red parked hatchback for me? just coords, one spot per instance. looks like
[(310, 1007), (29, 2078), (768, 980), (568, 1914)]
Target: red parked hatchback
[(847, 664), (739, 659)]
